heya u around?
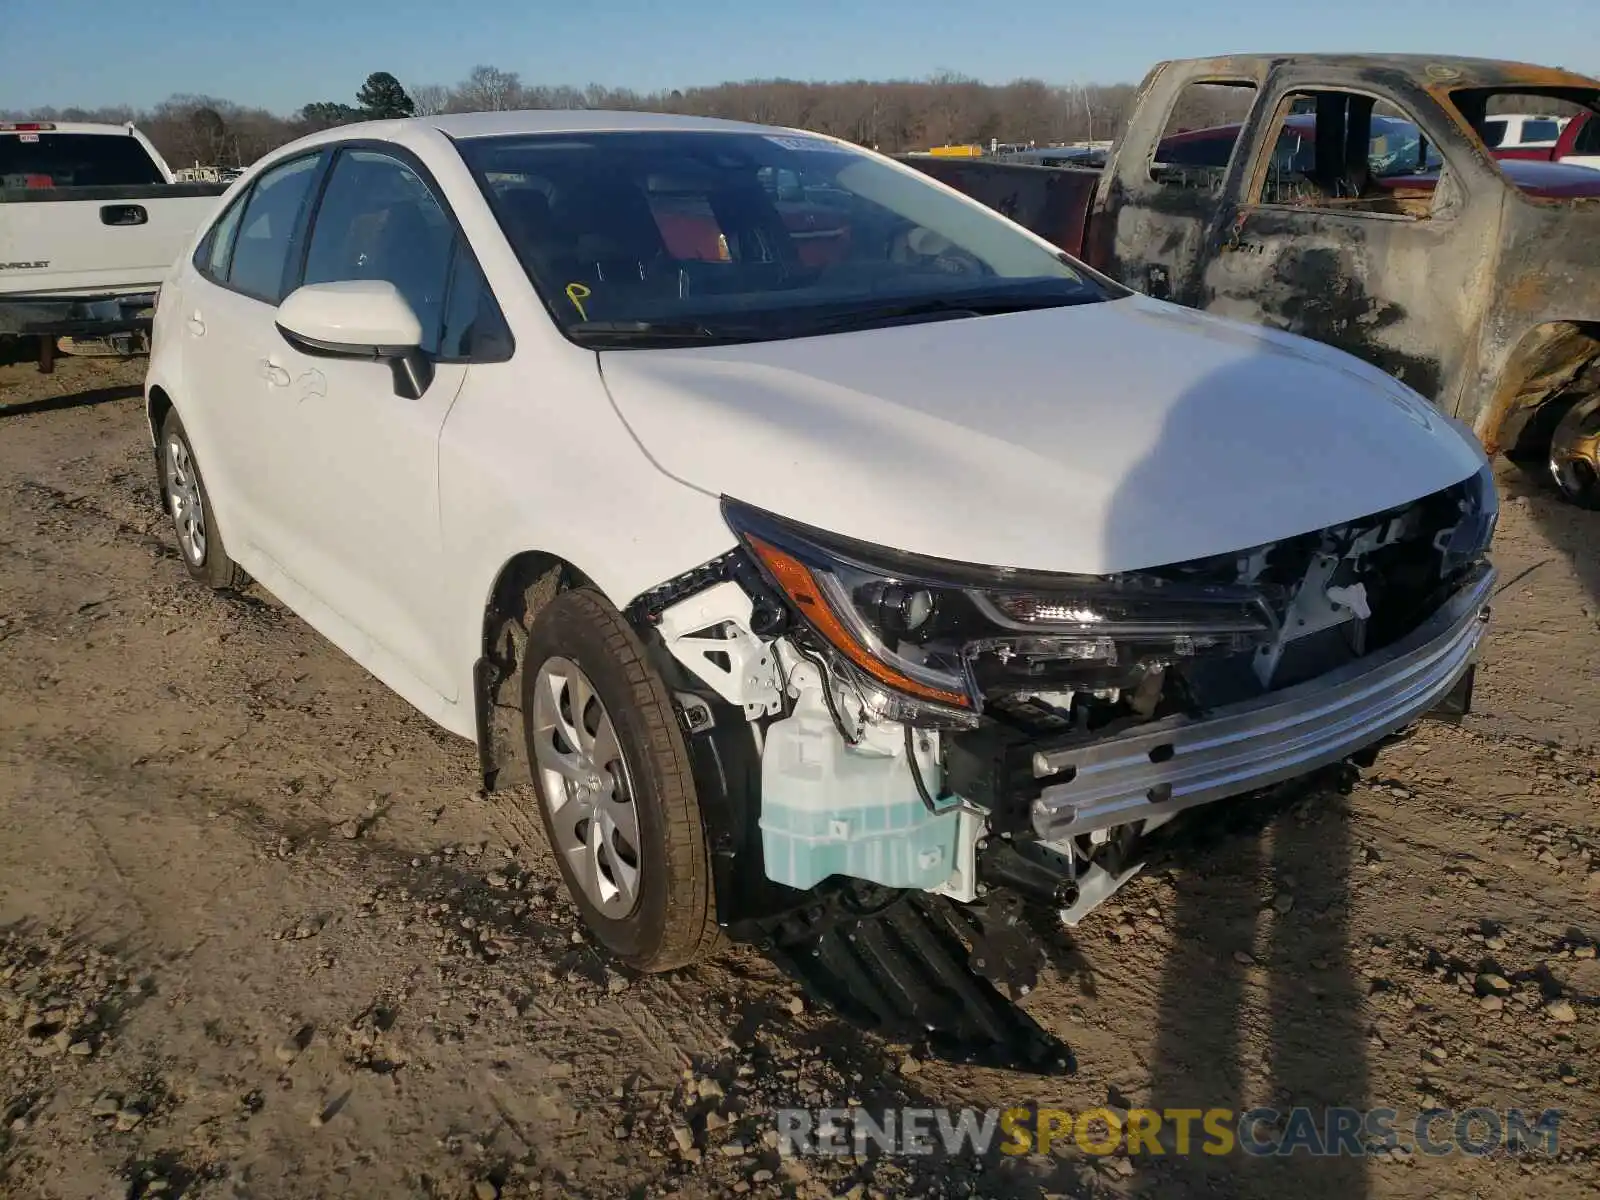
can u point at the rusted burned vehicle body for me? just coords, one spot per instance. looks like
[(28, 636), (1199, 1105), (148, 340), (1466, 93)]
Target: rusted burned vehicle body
[(1475, 280)]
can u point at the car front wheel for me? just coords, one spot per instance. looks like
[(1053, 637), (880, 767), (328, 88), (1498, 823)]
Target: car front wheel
[(615, 788)]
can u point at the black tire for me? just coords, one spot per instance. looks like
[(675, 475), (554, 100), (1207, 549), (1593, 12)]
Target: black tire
[(1574, 455), (207, 560), (673, 919)]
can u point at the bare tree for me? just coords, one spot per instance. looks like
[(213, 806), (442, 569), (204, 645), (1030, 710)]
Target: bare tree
[(487, 89), (430, 99)]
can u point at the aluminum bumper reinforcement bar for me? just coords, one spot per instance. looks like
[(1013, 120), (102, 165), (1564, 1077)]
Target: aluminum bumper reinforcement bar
[(1180, 762)]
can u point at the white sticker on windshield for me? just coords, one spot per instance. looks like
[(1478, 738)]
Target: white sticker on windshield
[(28, 137), (799, 143)]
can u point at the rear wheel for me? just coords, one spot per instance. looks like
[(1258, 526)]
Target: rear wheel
[(1574, 460), (615, 788), (184, 493)]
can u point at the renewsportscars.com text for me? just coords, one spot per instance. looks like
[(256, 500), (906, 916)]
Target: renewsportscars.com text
[(1331, 1132)]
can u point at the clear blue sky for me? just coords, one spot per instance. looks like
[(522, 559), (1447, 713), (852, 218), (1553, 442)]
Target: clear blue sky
[(279, 54)]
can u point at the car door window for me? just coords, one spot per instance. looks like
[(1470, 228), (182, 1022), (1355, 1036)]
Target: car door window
[(379, 220), (1398, 175), (268, 231)]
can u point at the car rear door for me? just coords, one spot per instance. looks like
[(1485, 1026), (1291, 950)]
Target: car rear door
[(362, 513), (226, 321)]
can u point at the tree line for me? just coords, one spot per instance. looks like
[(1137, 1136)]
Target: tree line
[(891, 116)]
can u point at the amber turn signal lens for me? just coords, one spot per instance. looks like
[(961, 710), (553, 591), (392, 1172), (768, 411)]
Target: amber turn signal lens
[(797, 582)]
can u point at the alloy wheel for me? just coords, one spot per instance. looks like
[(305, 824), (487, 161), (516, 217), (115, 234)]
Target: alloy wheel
[(586, 786), (188, 509)]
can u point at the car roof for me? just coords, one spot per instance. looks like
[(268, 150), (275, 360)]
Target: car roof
[(1446, 72), (556, 120), (415, 131)]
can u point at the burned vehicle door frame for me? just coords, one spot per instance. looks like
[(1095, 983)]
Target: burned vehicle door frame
[(1156, 231), (1395, 276)]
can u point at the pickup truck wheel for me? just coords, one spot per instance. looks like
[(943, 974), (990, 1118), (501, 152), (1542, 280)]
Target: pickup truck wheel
[(616, 792), (1575, 453), (183, 492)]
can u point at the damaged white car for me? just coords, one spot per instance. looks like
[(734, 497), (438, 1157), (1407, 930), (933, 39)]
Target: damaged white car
[(789, 519)]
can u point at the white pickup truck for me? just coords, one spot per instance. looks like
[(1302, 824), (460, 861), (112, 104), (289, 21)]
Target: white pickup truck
[(90, 221)]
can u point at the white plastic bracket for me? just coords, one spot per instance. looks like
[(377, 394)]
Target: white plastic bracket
[(709, 633), (962, 886)]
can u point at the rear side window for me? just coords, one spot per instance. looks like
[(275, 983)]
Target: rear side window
[(269, 229), (1490, 111), (211, 257), (1201, 132), (54, 160)]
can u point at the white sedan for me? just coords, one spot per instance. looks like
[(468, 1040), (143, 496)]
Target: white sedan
[(787, 519)]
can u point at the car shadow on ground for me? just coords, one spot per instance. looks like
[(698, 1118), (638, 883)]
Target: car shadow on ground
[(1261, 997), (1260, 1004), (85, 399)]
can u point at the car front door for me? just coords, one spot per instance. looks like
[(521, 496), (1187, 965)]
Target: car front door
[(363, 503), (1367, 239)]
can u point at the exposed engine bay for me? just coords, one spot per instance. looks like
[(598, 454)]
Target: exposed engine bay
[(976, 733)]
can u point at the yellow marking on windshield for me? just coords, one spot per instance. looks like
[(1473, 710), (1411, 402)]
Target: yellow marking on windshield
[(577, 293)]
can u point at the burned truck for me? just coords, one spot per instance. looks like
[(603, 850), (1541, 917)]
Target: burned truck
[(1355, 199)]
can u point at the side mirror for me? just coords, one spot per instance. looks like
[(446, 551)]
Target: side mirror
[(359, 318)]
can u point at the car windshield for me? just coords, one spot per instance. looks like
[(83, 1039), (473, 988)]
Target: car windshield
[(641, 238)]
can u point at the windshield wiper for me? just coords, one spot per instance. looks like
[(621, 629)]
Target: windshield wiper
[(941, 308), (639, 333), (628, 331)]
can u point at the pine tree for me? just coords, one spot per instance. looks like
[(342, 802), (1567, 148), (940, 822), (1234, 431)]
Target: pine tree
[(382, 96)]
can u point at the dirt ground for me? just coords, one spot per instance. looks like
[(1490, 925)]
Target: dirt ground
[(258, 938)]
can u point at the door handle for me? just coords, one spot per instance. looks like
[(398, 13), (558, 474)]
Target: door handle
[(123, 214), (274, 374), (1231, 242), (197, 325)]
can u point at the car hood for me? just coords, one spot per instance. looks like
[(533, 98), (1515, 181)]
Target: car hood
[(1096, 439)]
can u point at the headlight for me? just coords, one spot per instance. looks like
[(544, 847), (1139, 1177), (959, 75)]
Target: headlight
[(1469, 539), (930, 638)]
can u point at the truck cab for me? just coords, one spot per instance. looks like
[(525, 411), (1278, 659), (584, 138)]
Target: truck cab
[(90, 222), (1355, 199)]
